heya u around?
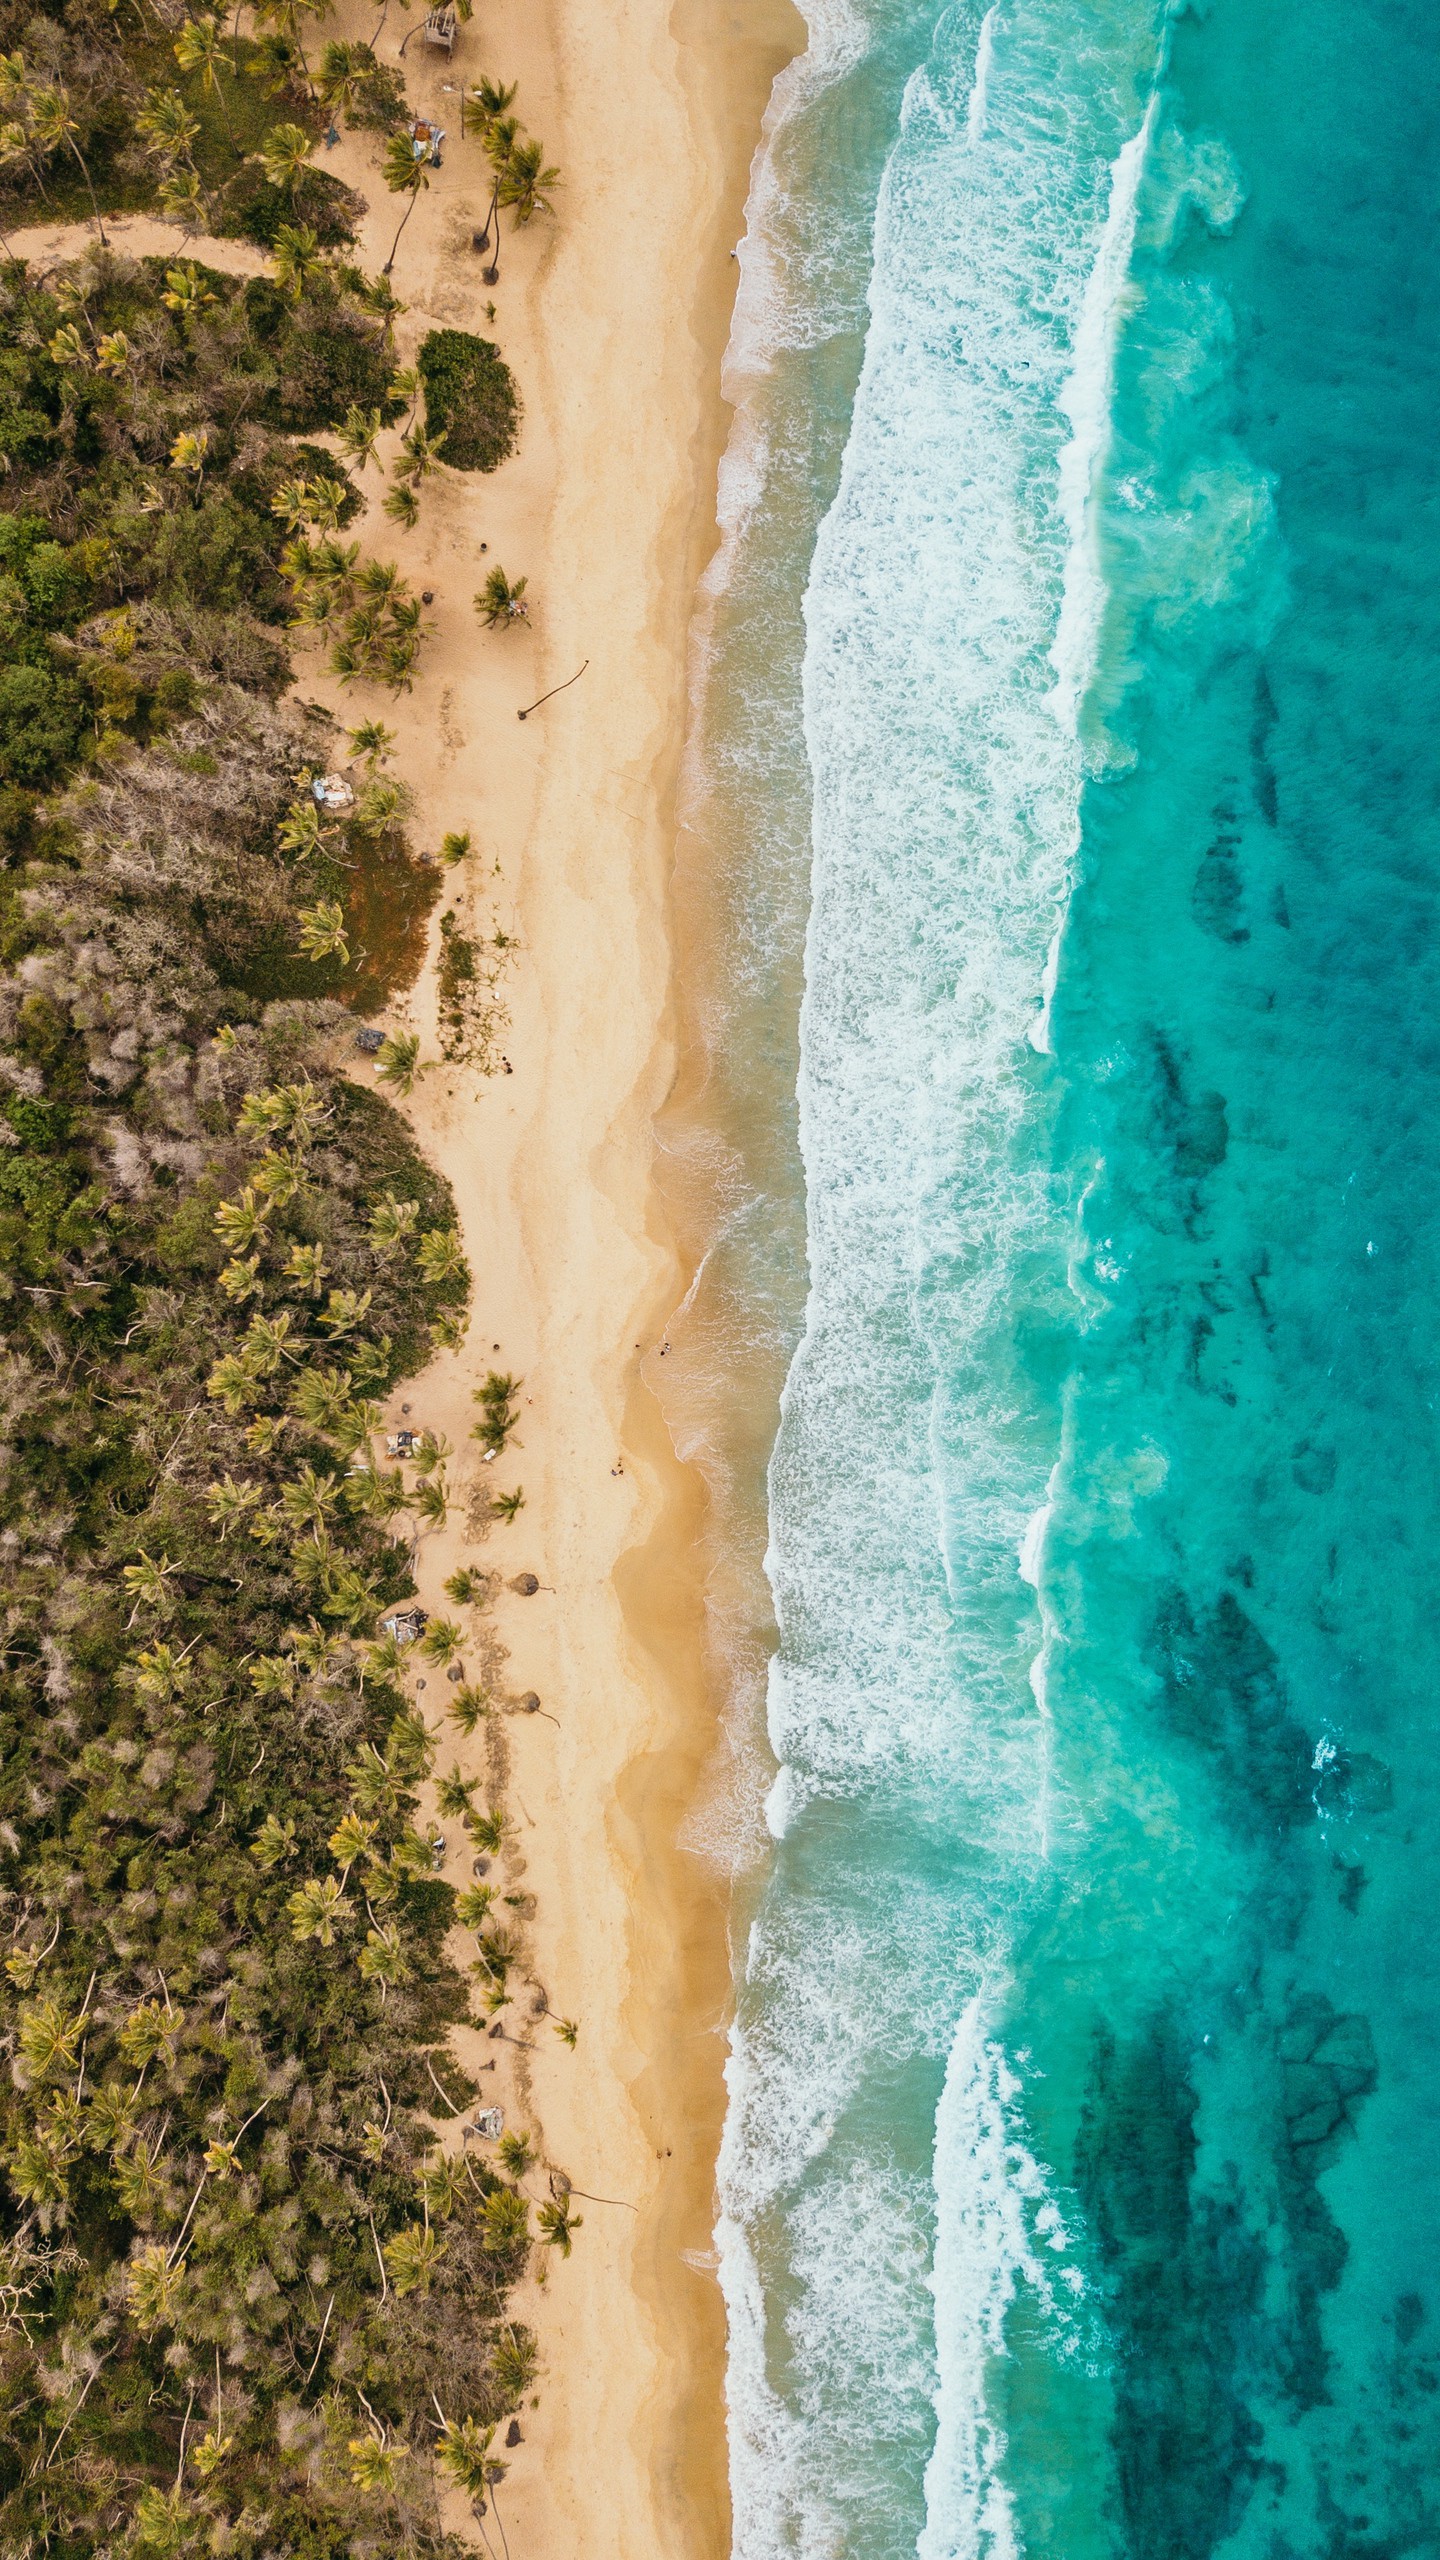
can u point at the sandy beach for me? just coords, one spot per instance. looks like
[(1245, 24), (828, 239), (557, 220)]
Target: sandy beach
[(613, 317)]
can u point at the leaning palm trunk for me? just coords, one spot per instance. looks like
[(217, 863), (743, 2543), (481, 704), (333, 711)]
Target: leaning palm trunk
[(404, 218), (90, 187)]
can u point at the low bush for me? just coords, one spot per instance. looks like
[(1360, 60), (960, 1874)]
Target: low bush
[(470, 397), (251, 209)]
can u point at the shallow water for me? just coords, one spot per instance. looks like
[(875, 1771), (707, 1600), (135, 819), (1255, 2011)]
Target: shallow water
[(1080, 2182)]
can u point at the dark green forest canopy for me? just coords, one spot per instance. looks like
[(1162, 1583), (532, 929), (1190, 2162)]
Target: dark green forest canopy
[(241, 2291)]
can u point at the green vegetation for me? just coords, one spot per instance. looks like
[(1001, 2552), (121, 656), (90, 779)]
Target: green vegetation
[(249, 2303), (470, 399), (113, 71), (501, 601)]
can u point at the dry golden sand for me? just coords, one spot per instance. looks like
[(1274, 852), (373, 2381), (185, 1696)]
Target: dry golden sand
[(614, 319)]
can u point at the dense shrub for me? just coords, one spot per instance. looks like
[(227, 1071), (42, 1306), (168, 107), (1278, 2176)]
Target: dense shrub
[(470, 394), (251, 209), (235, 2273)]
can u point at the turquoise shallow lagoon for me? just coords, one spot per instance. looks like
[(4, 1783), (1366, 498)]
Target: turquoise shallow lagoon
[(1081, 2185)]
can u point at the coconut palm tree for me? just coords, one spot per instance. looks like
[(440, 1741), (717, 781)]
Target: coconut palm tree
[(360, 436), (508, 1506), (372, 740), (150, 1582), (469, 1706), (286, 17), (299, 259), (402, 506), (499, 603), (242, 1223), (181, 199), (198, 48), (463, 2451), (186, 294), (306, 1262), (167, 127), (421, 454), (315, 1909), (488, 101), (502, 133), (381, 807), (397, 1061), (375, 2463), (283, 156), (403, 175), (391, 1223), (558, 2223), (524, 180), (346, 71), (55, 129), (440, 1257)]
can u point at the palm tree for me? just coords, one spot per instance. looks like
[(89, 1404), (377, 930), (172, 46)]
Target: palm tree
[(469, 1706), (403, 175), (501, 603), (557, 2223), (299, 258), (440, 1643), (186, 295), (324, 933), (372, 740), (306, 1262), (241, 1223), (286, 17), (315, 1909), (55, 129), (501, 135), (168, 127), (181, 199), (345, 73), (523, 181), (504, 2220), (397, 1061), (421, 453), (440, 1257), (490, 99), (391, 1221), (197, 48), (508, 1506), (149, 1582), (464, 2451), (375, 2463), (402, 506), (359, 437), (283, 155)]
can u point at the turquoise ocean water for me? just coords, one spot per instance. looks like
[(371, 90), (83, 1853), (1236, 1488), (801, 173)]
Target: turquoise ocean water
[(1069, 697)]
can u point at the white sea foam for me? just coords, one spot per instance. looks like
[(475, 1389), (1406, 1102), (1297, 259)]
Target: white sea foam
[(996, 2229), (905, 1702), (1087, 401)]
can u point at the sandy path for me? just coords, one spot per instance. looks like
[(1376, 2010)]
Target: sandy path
[(614, 320), (136, 235)]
